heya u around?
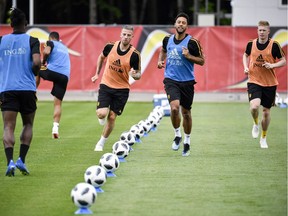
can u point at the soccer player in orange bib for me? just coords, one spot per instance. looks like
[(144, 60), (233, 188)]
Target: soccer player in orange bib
[(122, 60), (260, 59)]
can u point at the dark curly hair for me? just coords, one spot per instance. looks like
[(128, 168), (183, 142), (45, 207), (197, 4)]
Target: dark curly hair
[(54, 35), (182, 14), (17, 17)]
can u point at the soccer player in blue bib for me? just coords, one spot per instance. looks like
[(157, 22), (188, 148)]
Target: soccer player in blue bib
[(20, 62), (181, 51), (57, 70)]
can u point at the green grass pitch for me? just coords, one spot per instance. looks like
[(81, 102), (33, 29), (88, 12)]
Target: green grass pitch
[(226, 174)]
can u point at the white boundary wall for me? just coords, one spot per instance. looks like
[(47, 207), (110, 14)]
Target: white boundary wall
[(250, 12)]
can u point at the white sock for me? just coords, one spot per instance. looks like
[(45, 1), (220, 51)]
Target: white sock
[(102, 140), (186, 138), (102, 121), (177, 132), (55, 124)]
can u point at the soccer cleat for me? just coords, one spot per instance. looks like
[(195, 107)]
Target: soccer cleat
[(255, 131), (55, 133), (186, 150), (21, 166), (10, 169), (176, 143), (98, 147), (263, 143)]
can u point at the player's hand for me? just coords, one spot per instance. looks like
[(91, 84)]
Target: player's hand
[(267, 65), (134, 74), (246, 70), (185, 51), (161, 64), (94, 78)]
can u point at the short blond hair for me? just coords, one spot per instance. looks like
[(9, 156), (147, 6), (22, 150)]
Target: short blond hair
[(263, 23), (128, 27)]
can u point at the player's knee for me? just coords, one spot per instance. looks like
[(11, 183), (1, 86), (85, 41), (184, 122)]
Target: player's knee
[(186, 115), (266, 113), (101, 113), (174, 111), (254, 107)]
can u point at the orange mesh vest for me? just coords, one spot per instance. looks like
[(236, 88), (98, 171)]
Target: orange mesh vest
[(257, 73), (116, 72)]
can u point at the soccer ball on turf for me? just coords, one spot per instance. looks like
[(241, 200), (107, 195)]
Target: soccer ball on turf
[(137, 130), (110, 162), (128, 137), (154, 119), (146, 125), (95, 175), (121, 149), (83, 195), (159, 110)]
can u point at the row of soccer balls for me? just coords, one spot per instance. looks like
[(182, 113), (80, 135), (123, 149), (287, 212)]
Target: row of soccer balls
[(84, 194)]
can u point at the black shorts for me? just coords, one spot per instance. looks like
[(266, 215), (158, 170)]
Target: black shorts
[(60, 82), (18, 101), (114, 99), (265, 94), (182, 91)]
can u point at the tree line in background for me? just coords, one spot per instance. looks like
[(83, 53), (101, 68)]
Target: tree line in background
[(150, 12)]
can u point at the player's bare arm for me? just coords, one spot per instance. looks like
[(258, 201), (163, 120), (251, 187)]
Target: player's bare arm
[(161, 59), (245, 63), (46, 53), (100, 61), (280, 63), (197, 60), (36, 63)]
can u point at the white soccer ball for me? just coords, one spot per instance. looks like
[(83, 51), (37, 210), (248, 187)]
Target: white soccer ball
[(121, 149), (95, 175), (159, 110), (128, 137), (83, 195), (146, 125), (137, 130), (110, 162), (153, 119)]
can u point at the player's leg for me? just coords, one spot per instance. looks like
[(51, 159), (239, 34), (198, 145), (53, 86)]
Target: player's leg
[(254, 94), (102, 111), (60, 82), (108, 127), (266, 118), (175, 114), (9, 107), (25, 140), (9, 122), (103, 103), (101, 114), (117, 102), (187, 96), (56, 117), (268, 100), (27, 109), (173, 95), (187, 126)]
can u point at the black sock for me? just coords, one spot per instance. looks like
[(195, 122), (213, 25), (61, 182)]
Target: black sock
[(23, 151), (9, 154)]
